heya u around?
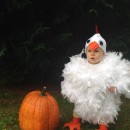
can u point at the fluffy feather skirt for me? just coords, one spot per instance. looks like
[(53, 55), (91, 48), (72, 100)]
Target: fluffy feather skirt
[(86, 86)]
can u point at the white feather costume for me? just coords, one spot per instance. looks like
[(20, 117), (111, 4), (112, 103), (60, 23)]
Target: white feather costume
[(86, 86)]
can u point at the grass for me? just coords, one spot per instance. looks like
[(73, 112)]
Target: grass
[(9, 106), (11, 99)]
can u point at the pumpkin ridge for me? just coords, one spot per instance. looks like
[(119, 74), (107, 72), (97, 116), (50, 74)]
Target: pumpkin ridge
[(40, 122), (55, 111), (32, 110), (22, 110), (49, 112), (45, 108), (35, 126)]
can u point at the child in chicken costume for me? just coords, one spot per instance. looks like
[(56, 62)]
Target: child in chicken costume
[(95, 84)]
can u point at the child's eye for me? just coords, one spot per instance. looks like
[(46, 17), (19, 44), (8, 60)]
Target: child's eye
[(88, 50)]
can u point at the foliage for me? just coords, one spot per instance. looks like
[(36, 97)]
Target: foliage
[(2, 51), (16, 4), (26, 53), (35, 33)]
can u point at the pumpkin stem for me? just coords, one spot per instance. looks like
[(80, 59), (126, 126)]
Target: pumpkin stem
[(43, 91)]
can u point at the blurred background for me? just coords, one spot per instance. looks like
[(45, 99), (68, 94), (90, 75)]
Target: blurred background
[(37, 37)]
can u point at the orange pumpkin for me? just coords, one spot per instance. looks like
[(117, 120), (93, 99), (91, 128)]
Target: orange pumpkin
[(39, 112)]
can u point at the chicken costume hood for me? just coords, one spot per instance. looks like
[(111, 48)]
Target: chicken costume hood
[(86, 84), (96, 41)]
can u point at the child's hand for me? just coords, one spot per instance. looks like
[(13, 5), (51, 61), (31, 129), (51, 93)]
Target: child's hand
[(112, 89)]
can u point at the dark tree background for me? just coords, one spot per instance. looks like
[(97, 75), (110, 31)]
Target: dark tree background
[(37, 37)]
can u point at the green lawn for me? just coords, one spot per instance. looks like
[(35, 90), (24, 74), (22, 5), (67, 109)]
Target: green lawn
[(11, 99)]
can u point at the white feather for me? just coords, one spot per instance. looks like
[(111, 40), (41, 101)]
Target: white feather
[(86, 85)]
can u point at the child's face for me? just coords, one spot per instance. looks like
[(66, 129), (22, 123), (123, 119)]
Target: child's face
[(94, 56)]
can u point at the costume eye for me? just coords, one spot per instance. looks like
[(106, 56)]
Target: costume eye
[(101, 43), (88, 41)]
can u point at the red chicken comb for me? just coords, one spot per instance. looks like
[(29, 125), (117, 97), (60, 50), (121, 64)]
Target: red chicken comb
[(96, 29)]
